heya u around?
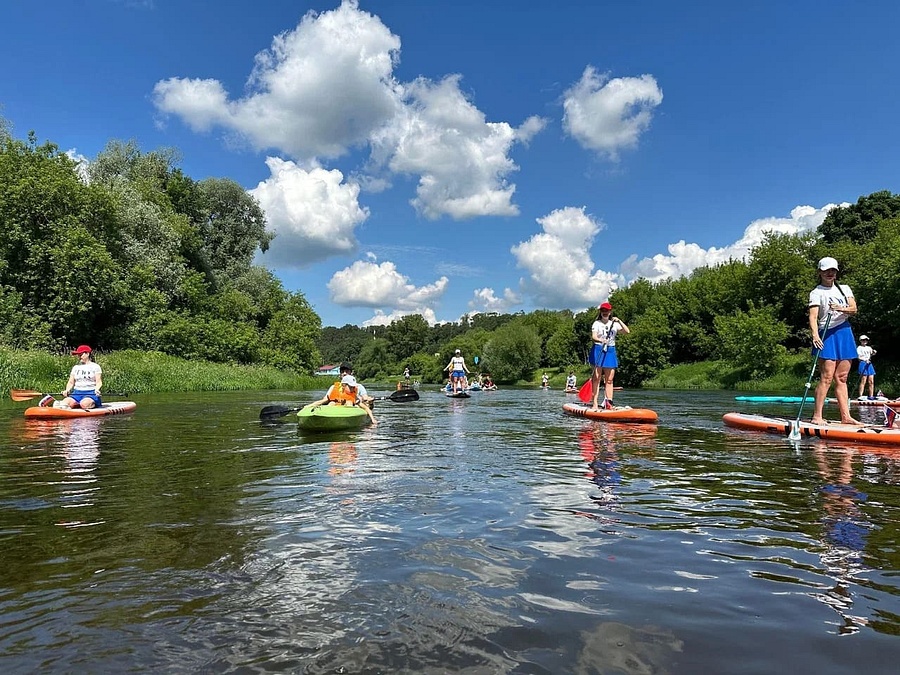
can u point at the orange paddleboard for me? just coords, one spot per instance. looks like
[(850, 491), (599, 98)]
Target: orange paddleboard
[(831, 432), (50, 413), (617, 414)]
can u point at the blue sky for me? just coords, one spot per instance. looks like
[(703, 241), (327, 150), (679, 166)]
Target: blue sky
[(458, 157)]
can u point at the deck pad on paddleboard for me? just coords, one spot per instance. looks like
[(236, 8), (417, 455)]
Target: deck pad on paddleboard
[(893, 403), (834, 432), (889, 402), (617, 414), (51, 413)]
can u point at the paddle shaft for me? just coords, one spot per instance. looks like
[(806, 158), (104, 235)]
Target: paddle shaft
[(795, 428), (588, 386), (27, 394), (400, 396)]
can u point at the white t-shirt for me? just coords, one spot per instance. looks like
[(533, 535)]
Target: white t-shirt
[(823, 296), (85, 375), (864, 353), (605, 331)]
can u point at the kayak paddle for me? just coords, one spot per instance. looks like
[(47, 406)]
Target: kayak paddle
[(794, 435), (271, 412), (28, 394), (401, 396)]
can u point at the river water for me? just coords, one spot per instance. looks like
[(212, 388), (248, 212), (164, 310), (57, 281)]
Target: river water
[(487, 535)]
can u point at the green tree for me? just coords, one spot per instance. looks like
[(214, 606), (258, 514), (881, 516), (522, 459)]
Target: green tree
[(545, 323), (781, 277), (876, 286), (234, 227), (859, 222), (56, 238), (513, 352), (752, 340), (342, 344), (374, 360), (425, 367), (291, 336), (406, 335), (563, 346), (647, 350)]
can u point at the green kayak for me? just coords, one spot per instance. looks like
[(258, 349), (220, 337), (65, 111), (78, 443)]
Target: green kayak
[(331, 418)]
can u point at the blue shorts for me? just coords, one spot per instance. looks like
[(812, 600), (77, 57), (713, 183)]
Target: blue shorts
[(603, 359), (458, 373), (838, 344), (78, 395), (866, 369)]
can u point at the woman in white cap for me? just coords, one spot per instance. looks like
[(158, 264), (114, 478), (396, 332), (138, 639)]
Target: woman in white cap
[(830, 306), (866, 370), (345, 392), (458, 371)]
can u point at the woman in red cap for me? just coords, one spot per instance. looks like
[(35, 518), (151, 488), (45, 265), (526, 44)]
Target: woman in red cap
[(83, 388), (603, 353)]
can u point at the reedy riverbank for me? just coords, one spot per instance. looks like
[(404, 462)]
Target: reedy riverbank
[(138, 372), (716, 375)]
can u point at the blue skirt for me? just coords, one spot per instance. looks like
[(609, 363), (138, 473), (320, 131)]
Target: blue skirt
[(77, 395), (604, 359), (838, 344), (866, 369)]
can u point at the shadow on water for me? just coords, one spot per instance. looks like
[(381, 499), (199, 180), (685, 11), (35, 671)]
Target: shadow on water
[(489, 534)]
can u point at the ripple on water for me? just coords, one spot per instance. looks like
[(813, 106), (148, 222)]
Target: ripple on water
[(493, 535)]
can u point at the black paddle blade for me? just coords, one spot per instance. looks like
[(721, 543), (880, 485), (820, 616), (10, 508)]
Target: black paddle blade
[(404, 395), (271, 412)]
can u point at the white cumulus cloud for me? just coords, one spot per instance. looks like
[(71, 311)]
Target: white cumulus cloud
[(561, 273), (382, 319), (486, 300), (328, 86), (608, 115), (82, 164), (684, 258), (462, 160), (380, 286), (318, 90), (312, 212)]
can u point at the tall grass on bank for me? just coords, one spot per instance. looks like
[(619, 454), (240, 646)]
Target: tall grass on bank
[(790, 377), (722, 375), (137, 372)]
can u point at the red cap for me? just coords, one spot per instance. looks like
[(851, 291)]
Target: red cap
[(605, 305), (81, 349)]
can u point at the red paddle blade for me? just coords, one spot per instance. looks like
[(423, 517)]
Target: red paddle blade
[(586, 391)]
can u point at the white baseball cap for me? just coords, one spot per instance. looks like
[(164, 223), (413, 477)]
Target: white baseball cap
[(828, 264), (349, 380), (863, 337)]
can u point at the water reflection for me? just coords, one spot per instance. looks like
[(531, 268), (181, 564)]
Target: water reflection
[(845, 531), (77, 443), (598, 449), (489, 535), (614, 647), (342, 457)]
